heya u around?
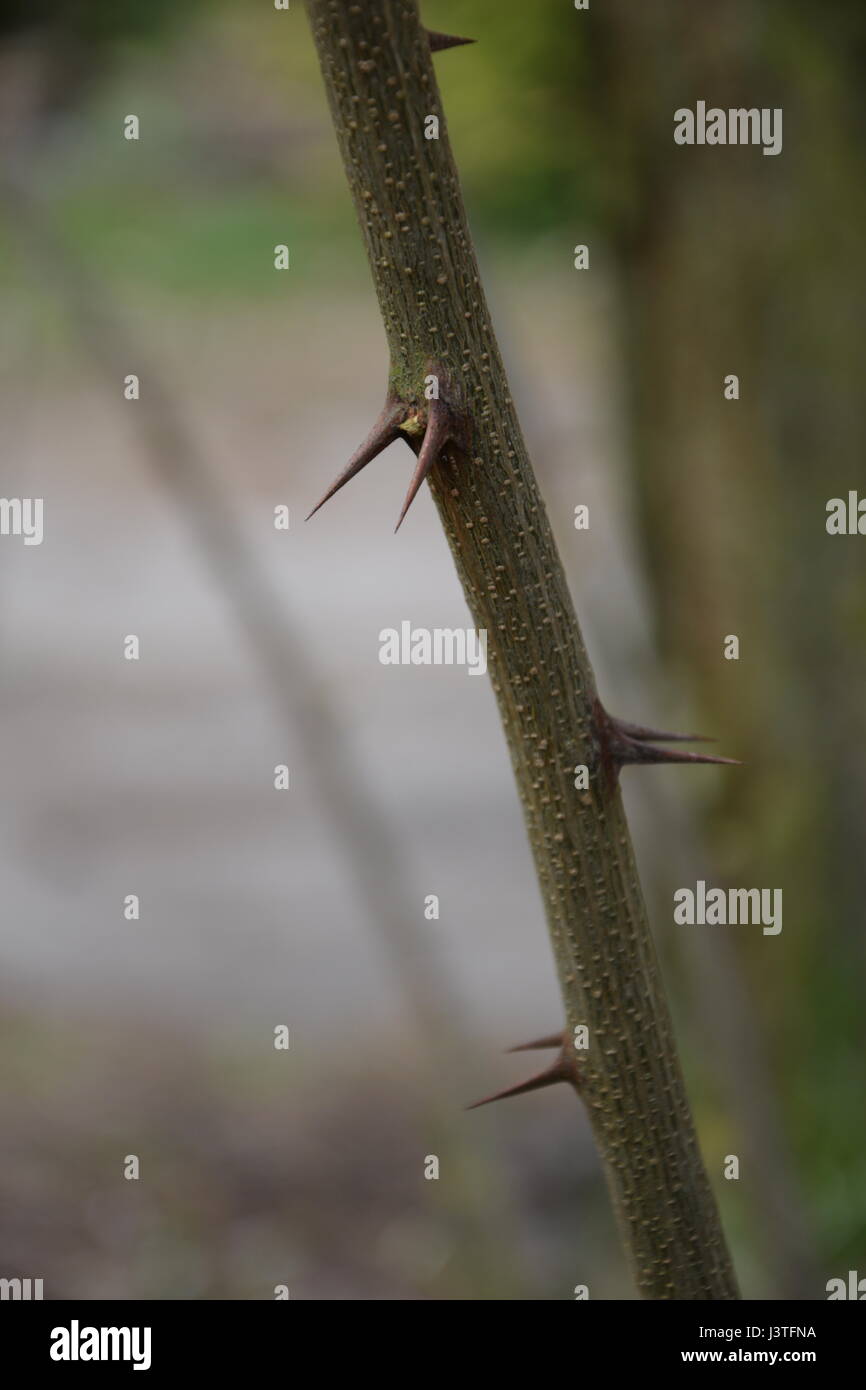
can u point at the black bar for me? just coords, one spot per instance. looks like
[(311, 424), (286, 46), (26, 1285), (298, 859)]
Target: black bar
[(225, 1338)]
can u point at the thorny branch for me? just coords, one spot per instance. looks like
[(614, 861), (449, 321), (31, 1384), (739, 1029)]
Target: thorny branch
[(378, 73)]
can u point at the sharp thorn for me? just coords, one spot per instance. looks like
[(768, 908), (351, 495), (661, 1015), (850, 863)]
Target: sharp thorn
[(383, 433), (656, 735), (551, 1077), (436, 436), (631, 750), (553, 1040), (440, 41), (623, 743)]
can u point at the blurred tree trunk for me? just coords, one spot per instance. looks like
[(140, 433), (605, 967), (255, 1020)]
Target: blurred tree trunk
[(733, 262), (475, 1201)]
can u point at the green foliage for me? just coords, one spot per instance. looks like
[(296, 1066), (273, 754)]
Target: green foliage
[(93, 21)]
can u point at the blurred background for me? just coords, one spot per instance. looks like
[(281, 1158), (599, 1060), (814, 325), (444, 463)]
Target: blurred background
[(260, 647)]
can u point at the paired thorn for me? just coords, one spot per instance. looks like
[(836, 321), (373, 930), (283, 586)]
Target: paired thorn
[(440, 41), (563, 1069), (436, 424), (436, 436), (383, 433), (623, 744)]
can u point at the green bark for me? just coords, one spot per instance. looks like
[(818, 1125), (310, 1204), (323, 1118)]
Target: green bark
[(379, 76)]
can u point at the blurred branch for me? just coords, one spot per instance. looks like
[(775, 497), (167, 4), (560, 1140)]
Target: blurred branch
[(732, 528), (475, 1191)]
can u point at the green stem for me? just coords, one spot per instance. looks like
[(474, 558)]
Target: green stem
[(378, 72)]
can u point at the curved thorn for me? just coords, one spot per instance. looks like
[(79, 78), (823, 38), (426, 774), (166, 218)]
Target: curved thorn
[(440, 41), (553, 1040), (657, 735), (383, 433), (436, 436), (550, 1077)]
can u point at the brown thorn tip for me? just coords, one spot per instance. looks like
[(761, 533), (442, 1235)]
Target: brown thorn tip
[(630, 750), (624, 743), (551, 1077), (440, 41), (436, 436), (552, 1040), (383, 433)]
